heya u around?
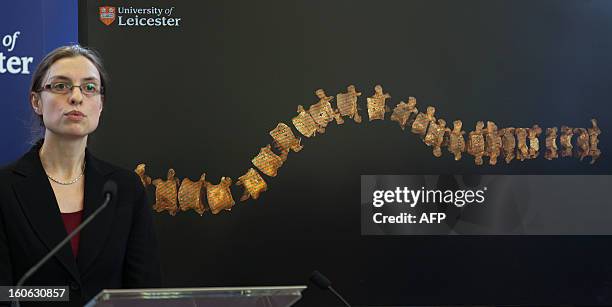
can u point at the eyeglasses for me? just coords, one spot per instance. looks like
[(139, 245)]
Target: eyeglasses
[(60, 87)]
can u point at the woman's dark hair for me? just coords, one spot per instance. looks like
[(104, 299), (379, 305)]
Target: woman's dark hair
[(43, 67)]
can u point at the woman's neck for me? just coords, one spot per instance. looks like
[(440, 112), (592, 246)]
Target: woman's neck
[(63, 158)]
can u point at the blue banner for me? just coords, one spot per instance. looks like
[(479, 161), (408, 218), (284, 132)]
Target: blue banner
[(28, 30)]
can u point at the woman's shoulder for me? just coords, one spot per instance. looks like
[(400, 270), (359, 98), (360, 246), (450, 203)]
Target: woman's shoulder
[(6, 171), (16, 171), (27, 164), (22, 166), (7, 167)]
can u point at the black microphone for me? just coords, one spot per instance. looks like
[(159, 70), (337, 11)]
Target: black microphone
[(110, 194), (322, 282)]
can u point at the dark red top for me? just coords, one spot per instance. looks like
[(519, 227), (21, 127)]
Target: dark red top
[(72, 221)]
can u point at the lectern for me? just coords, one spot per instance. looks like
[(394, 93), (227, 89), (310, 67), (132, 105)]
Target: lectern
[(199, 297)]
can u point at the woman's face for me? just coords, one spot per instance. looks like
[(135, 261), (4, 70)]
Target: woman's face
[(71, 114)]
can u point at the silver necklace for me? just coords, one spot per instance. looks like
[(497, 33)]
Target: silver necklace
[(69, 182)]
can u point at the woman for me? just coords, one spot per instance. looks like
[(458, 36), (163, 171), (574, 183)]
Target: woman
[(58, 183)]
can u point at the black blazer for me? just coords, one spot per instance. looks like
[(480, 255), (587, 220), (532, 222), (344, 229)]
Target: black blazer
[(118, 249)]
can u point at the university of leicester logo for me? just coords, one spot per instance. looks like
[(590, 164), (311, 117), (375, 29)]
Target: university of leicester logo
[(107, 14)]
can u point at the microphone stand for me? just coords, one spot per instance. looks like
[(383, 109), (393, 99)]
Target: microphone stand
[(59, 246)]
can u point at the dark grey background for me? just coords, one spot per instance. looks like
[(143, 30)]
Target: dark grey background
[(202, 98)]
